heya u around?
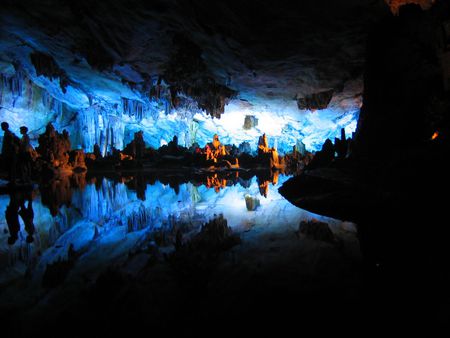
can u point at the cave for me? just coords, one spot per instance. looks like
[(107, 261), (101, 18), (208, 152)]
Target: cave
[(206, 167)]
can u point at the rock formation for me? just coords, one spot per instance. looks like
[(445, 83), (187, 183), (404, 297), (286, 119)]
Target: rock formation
[(54, 147), (250, 122), (316, 100), (403, 100)]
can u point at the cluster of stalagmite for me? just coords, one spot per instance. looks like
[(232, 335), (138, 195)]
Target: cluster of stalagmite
[(51, 158)]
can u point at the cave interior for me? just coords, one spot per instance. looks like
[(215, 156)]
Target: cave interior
[(203, 167)]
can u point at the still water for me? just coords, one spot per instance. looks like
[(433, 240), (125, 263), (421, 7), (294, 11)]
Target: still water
[(102, 221)]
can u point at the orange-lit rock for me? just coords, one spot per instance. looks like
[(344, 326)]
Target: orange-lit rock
[(396, 4)]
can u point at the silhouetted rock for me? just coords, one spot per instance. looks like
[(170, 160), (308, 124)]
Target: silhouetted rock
[(316, 100), (325, 156), (245, 147), (77, 159), (55, 273), (136, 148), (54, 147)]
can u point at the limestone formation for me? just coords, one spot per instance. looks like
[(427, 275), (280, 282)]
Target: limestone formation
[(136, 148), (54, 147), (268, 156), (315, 101), (250, 122)]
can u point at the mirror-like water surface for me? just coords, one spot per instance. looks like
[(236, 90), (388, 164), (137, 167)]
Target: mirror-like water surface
[(69, 232)]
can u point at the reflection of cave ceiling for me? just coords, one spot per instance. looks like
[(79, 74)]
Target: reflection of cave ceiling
[(86, 53)]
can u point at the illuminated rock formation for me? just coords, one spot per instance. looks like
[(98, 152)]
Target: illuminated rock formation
[(266, 154), (250, 122), (54, 147)]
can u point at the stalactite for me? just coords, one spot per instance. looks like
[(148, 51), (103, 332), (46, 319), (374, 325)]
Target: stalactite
[(133, 108), (97, 125), (2, 87), (192, 132), (13, 84), (16, 84), (153, 112), (29, 92), (37, 94), (52, 104)]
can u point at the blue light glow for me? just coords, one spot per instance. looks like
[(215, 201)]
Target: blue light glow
[(111, 121), (99, 107), (106, 221)]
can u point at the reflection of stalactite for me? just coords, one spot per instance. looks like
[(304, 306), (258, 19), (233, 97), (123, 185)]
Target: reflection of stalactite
[(195, 195), (139, 219), (56, 194), (100, 202)]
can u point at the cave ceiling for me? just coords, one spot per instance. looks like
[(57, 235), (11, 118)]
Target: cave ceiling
[(256, 49), (275, 60)]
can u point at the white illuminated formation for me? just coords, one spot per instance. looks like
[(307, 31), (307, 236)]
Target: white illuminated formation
[(101, 107), (107, 221), (110, 120)]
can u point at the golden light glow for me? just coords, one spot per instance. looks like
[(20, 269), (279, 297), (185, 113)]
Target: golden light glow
[(435, 135), (396, 4)]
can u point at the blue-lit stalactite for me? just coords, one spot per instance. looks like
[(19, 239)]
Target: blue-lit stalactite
[(110, 120)]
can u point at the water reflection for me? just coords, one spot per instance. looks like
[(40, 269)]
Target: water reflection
[(100, 220), (16, 208)]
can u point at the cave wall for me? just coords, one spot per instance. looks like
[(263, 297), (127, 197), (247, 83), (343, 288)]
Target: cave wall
[(405, 98)]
